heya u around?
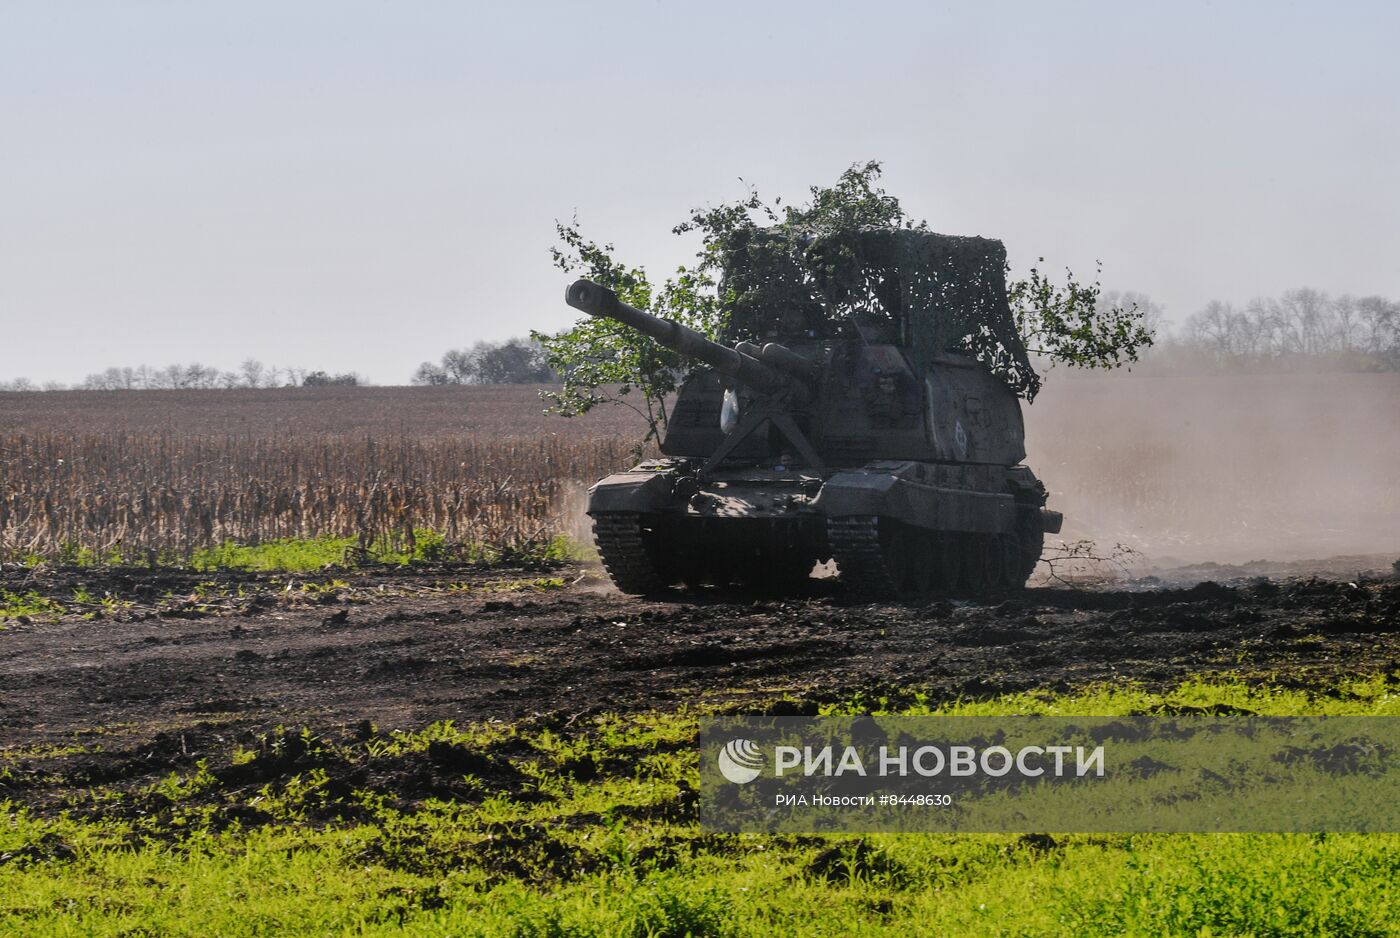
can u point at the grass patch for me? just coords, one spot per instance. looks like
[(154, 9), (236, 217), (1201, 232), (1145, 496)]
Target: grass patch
[(307, 555), (531, 585), (1363, 695), (312, 554), (27, 605), (288, 555), (535, 829)]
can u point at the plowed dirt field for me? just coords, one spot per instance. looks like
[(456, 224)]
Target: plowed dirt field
[(184, 665)]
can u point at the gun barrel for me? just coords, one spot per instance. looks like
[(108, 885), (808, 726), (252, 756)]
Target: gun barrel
[(599, 301)]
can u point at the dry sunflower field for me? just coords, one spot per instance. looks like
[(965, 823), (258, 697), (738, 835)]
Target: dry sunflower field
[(163, 477), (1228, 468)]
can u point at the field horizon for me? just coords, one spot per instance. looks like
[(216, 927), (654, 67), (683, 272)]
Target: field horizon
[(1181, 469)]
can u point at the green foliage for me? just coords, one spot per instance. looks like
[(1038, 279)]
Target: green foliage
[(291, 555), (307, 555), (1363, 695), (1070, 324), (603, 362), (779, 264), (590, 829), (15, 605), (782, 264)]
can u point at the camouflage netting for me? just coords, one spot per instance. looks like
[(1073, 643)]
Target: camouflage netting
[(941, 292)]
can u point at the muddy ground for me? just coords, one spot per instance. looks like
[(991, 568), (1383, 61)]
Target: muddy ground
[(153, 674), (190, 653)]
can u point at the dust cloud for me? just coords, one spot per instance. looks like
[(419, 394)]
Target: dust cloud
[(1281, 474), (1224, 469), (569, 510)]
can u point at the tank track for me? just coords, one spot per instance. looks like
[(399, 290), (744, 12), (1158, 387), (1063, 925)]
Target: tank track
[(855, 546), (883, 565), (625, 554), (1030, 543)]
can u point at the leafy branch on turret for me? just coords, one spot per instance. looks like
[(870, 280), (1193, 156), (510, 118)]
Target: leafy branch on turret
[(765, 269)]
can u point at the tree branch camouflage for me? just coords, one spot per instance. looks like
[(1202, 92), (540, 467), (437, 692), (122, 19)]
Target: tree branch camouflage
[(943, 292), (848, 257)]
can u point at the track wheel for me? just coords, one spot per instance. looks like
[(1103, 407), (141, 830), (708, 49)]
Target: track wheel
[(993, 574), (897, 546), (869, 559), (1030, 542), (630, 560), (1009, 546), (951, 561), (924, 558)]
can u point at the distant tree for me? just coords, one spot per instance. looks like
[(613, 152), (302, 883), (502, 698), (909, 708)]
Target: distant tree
[(116, 379), (102, 381), (459, 365), (1302, 321), (1214, 328), (431, 374), (253, 373), (1152, 314), (320, 379), (1346, 323), (203, 377), (515, 361), (1303, 327), (1379, 320)]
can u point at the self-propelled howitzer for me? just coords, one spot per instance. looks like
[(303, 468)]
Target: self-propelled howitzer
[(844, 444)]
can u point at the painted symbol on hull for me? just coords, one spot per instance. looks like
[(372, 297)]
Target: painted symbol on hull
[(960, 435)]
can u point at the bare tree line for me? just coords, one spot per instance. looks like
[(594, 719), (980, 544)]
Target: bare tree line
[(1302, 328), (251, 374), (515, 361)]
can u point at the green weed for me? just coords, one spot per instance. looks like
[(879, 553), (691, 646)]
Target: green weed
[(31, 604), (591, 829)]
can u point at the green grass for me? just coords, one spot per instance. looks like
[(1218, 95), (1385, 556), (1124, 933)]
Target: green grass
[(1363, 695), (590, 830), (306, 555), (288, 555), (14, 605), (312, 554), (212, 598)]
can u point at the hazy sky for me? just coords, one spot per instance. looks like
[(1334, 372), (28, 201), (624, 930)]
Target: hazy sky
[(360, 186)]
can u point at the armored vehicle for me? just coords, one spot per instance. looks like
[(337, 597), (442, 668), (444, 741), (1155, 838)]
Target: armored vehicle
[(872, 420)]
